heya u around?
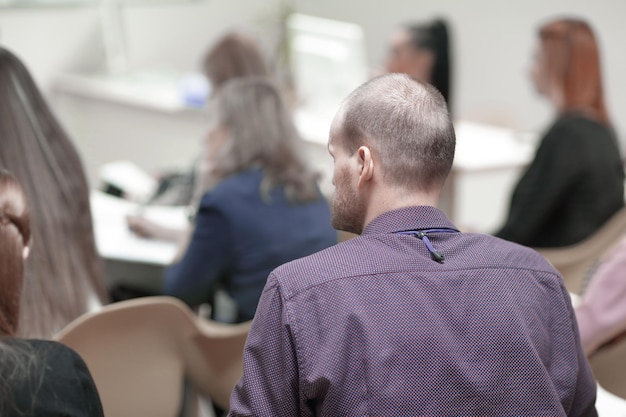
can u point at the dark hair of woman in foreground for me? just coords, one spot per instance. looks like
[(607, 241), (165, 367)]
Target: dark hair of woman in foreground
[(37, 377)]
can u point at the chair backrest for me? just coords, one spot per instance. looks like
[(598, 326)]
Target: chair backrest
[(609, 367), (343, 236), (575, 262), (214, 363), (139, 351)]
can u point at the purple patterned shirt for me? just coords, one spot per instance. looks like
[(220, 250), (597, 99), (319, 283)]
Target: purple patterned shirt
[(375, 327)]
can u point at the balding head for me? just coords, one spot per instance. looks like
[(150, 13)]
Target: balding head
[(406, 125)]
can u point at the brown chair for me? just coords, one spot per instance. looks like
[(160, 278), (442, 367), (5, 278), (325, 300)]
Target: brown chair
[(139, 352), (609, 367), (575, 262), (343, 236)]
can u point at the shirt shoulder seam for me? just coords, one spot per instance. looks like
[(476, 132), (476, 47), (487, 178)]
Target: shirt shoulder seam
[(425, 271)]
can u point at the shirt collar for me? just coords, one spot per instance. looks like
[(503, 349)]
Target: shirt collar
[(409, 218)]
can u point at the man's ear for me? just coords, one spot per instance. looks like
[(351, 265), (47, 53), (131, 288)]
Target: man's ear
[(366, 165)]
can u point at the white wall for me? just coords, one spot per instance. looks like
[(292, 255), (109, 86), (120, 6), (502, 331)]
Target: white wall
[(160, 36), (164, 35), (493, 43), (52, 40)]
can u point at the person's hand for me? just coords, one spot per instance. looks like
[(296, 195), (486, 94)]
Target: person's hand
[(150, 230), (144, 228)]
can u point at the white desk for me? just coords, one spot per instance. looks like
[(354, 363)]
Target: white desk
[(115, 241), (129, 259), (609, 405)]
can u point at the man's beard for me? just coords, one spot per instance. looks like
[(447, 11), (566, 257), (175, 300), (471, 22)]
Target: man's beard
[(348, 210)]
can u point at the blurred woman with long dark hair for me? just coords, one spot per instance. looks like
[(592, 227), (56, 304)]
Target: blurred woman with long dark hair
[(422, 51), (63, 273)]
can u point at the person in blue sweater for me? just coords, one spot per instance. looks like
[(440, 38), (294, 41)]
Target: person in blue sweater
[(259, 202)]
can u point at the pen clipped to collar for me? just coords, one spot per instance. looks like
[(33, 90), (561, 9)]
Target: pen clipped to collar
[(423, 235)]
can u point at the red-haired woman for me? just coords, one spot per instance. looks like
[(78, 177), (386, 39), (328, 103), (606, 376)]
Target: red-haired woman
[(576, 181), (37, 377)]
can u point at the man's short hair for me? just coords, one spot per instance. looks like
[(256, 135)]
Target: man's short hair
[(406, 123)]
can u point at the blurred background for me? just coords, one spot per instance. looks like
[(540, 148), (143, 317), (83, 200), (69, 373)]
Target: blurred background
[(122, 74), (492, 41)]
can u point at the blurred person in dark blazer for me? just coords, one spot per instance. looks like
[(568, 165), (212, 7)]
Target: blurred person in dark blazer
[(260, 204)]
